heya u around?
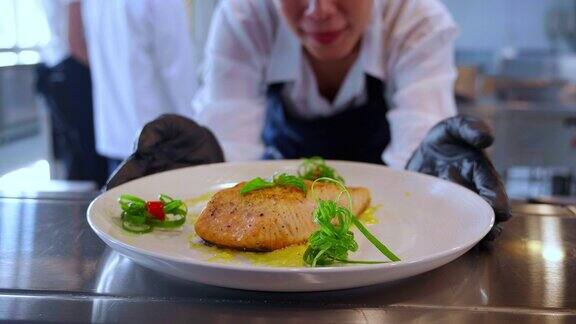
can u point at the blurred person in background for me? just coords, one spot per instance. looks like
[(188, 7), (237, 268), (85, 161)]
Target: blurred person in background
[(143, 65), (64, 81)]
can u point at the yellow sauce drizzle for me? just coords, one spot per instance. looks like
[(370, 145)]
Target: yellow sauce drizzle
[(223, 257), (290, 256), (192, 218), (191, 202), (368, 217), (287, 257)]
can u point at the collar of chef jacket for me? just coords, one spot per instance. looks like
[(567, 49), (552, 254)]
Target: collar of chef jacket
[(287, 60)]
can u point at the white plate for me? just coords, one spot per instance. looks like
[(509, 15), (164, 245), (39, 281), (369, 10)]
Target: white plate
[(427, 222)]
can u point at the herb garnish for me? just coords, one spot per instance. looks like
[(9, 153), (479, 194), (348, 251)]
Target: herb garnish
[(281, 179), (140, 216), (315, 167), (332, 242)]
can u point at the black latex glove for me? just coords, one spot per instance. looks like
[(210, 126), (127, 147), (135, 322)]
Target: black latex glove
[(454, 150), (166, 143)]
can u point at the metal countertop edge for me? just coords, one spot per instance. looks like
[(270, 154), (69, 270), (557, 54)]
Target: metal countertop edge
[(50, 199), (476, 309), (490, 309)]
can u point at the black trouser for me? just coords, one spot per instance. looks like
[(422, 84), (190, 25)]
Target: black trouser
[(67, 88)]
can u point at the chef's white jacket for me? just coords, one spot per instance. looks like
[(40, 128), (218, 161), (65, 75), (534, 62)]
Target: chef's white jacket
[(57, 48), (408, 45), (142, 64)]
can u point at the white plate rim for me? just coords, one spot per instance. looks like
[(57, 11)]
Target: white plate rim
[(259, 268)]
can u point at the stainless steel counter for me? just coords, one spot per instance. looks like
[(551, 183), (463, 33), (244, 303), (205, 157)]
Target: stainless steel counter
[(53, 268)]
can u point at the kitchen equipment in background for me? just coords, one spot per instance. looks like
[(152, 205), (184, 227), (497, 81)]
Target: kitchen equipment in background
[(561, 25), (19, 116), (529, 90), (544, 185), (535, 77), (510, 75), (529, 99), (535, 147), (466, 84), (562, 183)]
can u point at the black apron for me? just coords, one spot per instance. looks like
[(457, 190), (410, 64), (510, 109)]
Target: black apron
[(356, 134), (67, 88)]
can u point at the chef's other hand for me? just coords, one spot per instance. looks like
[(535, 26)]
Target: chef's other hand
[(166, 143), (454, 150)]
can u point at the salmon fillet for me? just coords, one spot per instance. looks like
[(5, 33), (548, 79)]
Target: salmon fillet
[(268, 219)]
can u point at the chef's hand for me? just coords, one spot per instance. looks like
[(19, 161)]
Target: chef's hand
[(166, 143), (454, 150)]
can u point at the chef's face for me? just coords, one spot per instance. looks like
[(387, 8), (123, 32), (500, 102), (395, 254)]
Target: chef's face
[(328, 29)]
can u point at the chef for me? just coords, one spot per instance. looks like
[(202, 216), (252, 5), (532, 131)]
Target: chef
[(363, 80), (64, 81), (142, 60)]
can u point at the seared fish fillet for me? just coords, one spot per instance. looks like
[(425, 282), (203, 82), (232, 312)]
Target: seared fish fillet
[(268, 219)]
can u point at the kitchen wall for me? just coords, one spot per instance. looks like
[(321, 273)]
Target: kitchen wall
[(488, 25)]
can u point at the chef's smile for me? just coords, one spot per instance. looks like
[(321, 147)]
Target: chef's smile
[(328, 29), (325, 38)]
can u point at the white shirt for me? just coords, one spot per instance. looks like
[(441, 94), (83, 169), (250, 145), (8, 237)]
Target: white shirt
[(142, 65), (57, 48), (408, 44)]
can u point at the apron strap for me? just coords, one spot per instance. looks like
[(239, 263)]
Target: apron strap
[(358, 133)]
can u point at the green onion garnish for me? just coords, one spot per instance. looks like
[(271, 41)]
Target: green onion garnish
[(136, 228), (282, 179), (315, 167), (140, 216), (334, 240)]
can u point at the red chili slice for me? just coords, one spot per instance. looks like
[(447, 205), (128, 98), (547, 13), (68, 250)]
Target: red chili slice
[(156, 209)]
